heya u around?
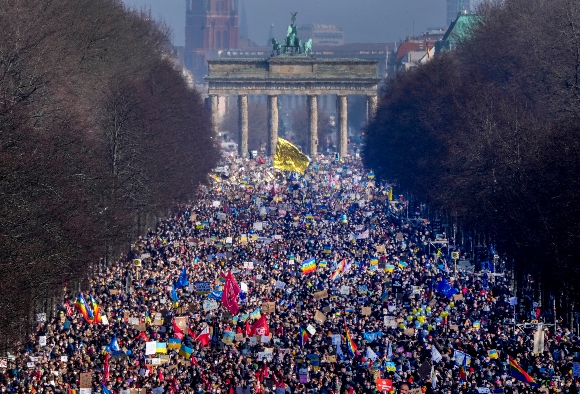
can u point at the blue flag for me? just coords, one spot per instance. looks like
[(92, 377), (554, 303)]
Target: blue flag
[(182, 281), (113, 345), (174, 294), (446, 289)]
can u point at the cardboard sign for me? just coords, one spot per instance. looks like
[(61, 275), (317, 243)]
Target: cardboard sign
[(390, 321), (239, 337), (86, 381), (409, 332), (181, 322), (330, 359), (454, 327), (141, 327), (321, 294), (366, 311), (319, 317), (384, 384), (268, 307), (457, 297), (415, 391)]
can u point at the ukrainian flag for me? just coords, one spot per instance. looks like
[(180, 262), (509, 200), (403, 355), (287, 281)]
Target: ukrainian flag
[(185, 351), (161, 347), (173, 343)]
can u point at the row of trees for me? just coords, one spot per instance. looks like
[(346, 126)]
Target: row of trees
[(490, 134), (99, 133)]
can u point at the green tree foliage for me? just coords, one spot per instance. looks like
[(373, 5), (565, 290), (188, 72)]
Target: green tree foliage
[(98, 133), (490, 133)]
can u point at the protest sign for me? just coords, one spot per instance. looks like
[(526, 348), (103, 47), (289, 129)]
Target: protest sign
[(321, 294)]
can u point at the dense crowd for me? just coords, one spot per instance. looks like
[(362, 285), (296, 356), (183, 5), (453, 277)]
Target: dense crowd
[(382, 307)]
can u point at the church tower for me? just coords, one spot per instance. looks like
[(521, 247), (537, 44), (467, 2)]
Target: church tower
[(210, 26)]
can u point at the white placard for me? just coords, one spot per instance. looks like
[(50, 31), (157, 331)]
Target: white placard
[(311, 329), (265, 339), (248, 265), (42, 340), (40, 317), (258, 226), (104, 320), (244, 287), (150, 348), (280, 285), (336, 339), (210, 305), (345, 290), (216, 204)]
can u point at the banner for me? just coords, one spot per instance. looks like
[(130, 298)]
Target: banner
[(289, 158)]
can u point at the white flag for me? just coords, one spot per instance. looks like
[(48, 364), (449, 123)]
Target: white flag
[(370, 354), (435, 355), (433, 378), (513, 301)]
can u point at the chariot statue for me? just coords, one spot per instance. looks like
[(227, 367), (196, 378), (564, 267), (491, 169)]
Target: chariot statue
[(291, 44)]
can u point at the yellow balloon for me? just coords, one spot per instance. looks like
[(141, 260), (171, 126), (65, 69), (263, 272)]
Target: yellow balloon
[(428, 309), (452, 304), (410, 318)]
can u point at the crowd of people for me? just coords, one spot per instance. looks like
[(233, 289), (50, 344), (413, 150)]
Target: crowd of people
[(285, 283)]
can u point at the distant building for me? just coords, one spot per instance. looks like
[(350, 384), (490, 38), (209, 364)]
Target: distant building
[(454, 7), (328, 35), (459, 29), (210, 26)]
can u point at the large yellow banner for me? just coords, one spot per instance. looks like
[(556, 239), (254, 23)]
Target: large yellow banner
[(289, 158)]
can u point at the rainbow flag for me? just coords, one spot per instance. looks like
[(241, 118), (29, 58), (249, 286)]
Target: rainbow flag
[(303, 336), (463, 370), (96, 309), (83, 308), (350, 345), (308, 266), (517, 372), (339, 270), (222, 277)]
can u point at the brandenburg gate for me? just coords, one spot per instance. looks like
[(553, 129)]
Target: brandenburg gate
[(290, 70)]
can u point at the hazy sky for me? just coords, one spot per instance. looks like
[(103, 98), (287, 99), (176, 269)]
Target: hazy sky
[(361, 20)]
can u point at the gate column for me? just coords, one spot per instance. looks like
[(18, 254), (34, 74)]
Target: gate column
[(272, 125), (342, 112), (312, 124), (243, 125)]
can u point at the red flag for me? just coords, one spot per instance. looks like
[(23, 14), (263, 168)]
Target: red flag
[(280, 331), (248, 329), (177, 332), (106, 368), (230, 294), (189, 332), (203, 337), (260, 326), (194, 360), (205, 382), (142, 336), (160, 374), (69, 309)]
